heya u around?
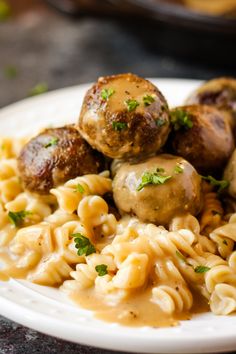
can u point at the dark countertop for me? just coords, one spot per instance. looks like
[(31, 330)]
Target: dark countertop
[(45, 46)]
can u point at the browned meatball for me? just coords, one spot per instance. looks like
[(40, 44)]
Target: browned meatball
[(202, 135), (124, 116), (230, 175), (220, 93), (158, 189), (55, 156)]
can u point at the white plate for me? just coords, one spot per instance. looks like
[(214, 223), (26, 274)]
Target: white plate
[(48, 310)]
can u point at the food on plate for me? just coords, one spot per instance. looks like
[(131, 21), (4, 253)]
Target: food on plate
[(124, 116), (149, 242), (202, 135), (219, 93), (230, 175), (54, 156), (158, 189)]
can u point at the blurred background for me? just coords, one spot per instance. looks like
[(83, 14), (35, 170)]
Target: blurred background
[(51, 44)]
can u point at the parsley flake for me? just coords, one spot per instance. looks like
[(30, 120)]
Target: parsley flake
[(83, 245), (79, 188), (40, 88), (201, 269), (107, 93), (118, 126), (17, 217), (181, 119), (101, 269), (5, 10), (181, 256), (225, 242), (221, 184), (160, 169), (53, 141), (10, 72), (131, 105), (149, 178), (178, 169), (160, 122), (148, 100)]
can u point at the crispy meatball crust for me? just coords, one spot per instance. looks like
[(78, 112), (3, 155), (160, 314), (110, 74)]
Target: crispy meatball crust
[(158, 203), (208, 144), (55, 156), (109, 126)]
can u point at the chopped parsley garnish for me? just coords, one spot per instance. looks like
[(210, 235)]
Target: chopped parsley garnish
[(10, 72), (201, 269), (5, 10), (160, 169), (160, 122), (83, 245), (53, 141), (107, 93), (40, 88), (101, 269), (181, 119), (178, 169), (180, 256), (148, 99), (131, 105), (149, 178), (79, 188), (17, 217), (225, 242), (221, 184), (118, 126)]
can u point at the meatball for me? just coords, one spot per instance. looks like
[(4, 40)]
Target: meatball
[(124, 116), (158, 189), (202, 135), (55, 156), (230, 175), (220, 93)]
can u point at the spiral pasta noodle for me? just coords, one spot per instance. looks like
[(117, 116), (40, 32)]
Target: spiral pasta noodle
[(225, 237), (212, 212), (10, 185), (69, 196)]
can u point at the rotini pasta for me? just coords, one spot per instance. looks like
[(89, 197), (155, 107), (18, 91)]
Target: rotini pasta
[(10, 185), (212, 212), (69, 195), (225, 237)]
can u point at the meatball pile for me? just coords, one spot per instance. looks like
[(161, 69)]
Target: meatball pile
[(158, 153)]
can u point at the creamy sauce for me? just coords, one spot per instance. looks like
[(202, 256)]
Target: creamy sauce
[(137, 310), (3, 276), (127, 88), (11, 270)]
